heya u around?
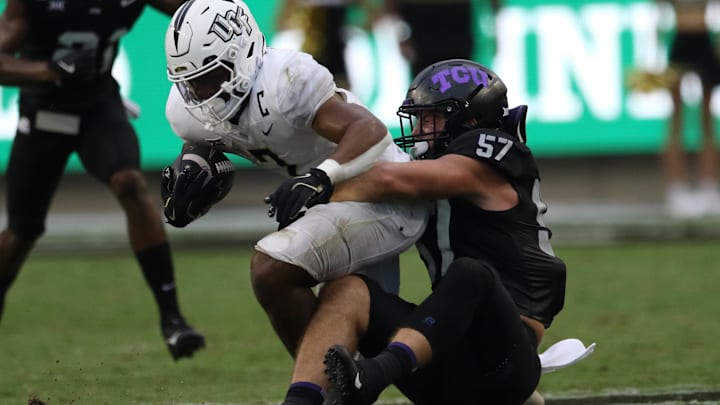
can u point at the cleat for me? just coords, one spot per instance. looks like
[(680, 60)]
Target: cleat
[(344, 373), (181, 339)]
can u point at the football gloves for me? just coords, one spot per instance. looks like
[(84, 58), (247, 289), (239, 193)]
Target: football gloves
[(198, 179), (185, 202), (286, 203), (75, 66)]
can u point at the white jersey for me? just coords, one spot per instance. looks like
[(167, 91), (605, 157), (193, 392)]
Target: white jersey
[(274, 129)]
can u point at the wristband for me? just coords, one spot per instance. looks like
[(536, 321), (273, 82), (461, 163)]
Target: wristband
[(332, 168), (339, 172)]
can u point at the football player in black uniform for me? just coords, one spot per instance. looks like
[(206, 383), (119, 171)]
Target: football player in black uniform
[(496, 281), (60, 53)]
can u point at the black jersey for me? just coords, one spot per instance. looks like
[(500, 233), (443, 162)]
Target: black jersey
[(516, 242), (56, 26)]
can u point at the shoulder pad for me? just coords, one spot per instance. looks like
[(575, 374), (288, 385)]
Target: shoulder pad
[(514, 122)]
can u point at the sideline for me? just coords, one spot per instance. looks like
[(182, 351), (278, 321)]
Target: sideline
[(680, 397), (572, 224)]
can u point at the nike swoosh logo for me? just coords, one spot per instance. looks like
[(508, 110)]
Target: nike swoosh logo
[(167, 287), (268, 130), (358, 383), (125, 3), (68, 67), (172, 340)]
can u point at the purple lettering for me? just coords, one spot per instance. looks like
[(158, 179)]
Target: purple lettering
[(483, 79), (441, 78), (460, 74)]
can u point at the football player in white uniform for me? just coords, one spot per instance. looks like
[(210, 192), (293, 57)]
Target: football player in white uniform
[(281, 110)]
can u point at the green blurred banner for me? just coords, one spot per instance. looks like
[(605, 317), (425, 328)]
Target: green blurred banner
[(568, 60)]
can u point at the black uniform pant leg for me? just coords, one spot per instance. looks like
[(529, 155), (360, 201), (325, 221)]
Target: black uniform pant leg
[(387, 313), (481, 348), (109, 142), (36, 165)]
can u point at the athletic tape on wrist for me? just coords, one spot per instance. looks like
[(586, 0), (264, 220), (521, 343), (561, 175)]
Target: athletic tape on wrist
[(339, 172)]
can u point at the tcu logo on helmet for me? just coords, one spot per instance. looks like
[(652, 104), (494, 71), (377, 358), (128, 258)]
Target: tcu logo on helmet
[(460, 75), (231, 24)]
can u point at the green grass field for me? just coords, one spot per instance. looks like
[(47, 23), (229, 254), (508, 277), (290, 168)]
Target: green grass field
[(82, 329)]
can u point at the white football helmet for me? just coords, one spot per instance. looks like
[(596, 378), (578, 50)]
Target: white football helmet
[(214, 49)]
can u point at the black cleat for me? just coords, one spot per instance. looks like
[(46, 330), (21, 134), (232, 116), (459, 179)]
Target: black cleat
[(181, 339), (345, 375)]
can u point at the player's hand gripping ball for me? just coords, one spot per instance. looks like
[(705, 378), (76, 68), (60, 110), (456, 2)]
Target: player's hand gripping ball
[(198, 179)]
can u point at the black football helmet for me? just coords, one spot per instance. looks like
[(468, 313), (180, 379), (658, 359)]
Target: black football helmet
[(467, 93), (199, 178)]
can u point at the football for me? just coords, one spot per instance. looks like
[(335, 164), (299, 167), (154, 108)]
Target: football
[(207, 158), (199, 177)]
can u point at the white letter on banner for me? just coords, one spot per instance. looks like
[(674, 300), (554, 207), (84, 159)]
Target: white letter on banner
[(511, 61), (568, 60), (648, 54)]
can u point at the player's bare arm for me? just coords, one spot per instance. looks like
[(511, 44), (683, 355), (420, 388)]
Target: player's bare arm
[(354, 128), (13, 30), (361, 139), (450, 176), (13, 27)]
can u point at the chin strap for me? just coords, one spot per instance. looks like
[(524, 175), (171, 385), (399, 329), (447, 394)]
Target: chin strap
[(419, 149), (223, 128)]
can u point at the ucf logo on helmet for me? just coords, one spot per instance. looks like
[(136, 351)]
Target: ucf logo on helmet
[(231, 24)]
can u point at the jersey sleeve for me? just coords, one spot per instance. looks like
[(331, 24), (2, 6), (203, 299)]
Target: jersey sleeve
[(498, 149), (303, 86)]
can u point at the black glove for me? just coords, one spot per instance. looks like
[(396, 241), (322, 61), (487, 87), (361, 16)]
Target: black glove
[(75, 66), (188, 198), (167, 182), (297, 193)]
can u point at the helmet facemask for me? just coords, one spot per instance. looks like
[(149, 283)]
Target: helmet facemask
[(229, 88), (214, 51), (422, 143)]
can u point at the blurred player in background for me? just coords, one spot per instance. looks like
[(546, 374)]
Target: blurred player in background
[(281, 110), (60, 53), (439, 29), (322, 23), (496, 281), (692, 50)]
